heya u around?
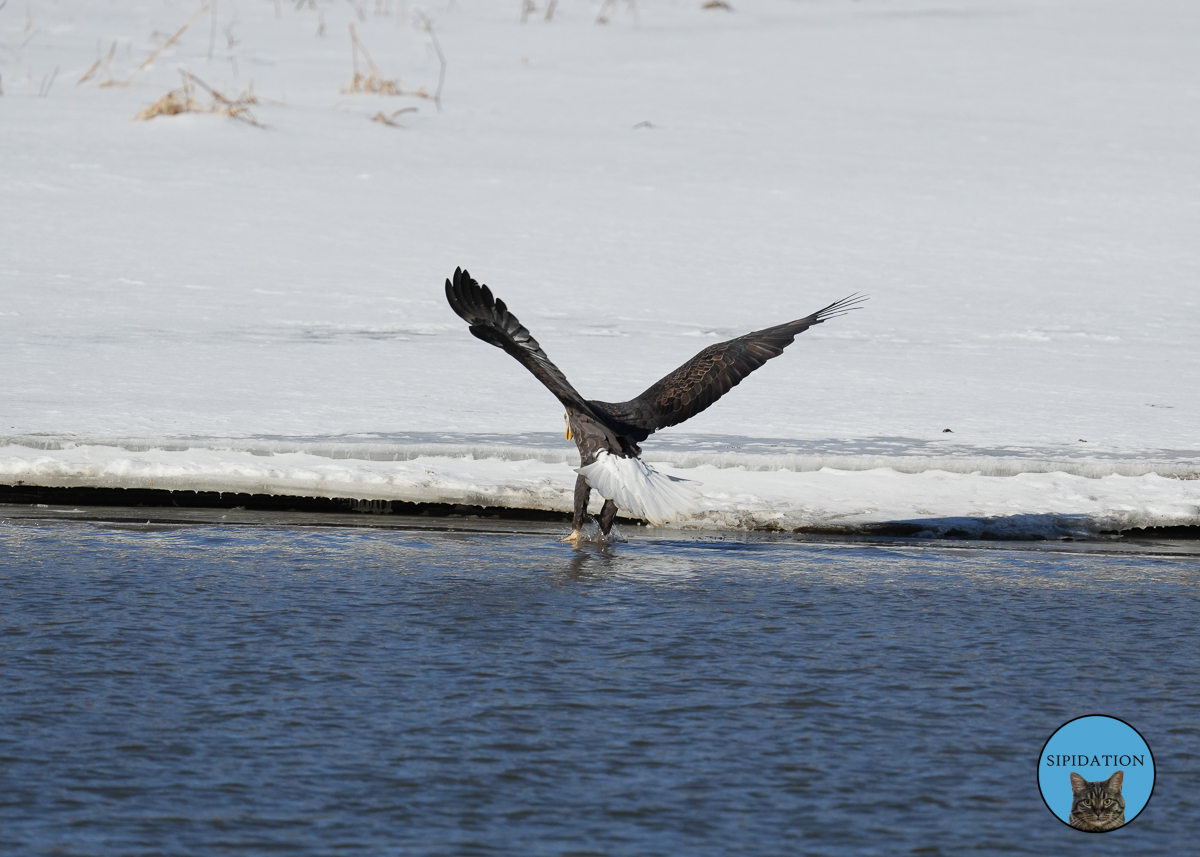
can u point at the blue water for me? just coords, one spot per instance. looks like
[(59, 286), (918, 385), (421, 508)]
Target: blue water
[(210, 689)]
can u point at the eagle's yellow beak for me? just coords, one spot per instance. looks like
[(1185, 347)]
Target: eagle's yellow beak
[(567, 420)]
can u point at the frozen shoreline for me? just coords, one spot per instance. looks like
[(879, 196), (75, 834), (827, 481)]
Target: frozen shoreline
[(980, 495)]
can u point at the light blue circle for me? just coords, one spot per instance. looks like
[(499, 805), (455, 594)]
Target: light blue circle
[(1090, 739)]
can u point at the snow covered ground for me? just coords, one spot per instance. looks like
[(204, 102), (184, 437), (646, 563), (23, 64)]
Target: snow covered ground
[(193, 301)]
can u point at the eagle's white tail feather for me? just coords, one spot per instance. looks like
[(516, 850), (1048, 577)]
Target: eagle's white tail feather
[(639, 489)]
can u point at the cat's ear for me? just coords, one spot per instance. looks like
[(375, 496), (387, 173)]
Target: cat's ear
[(1114, 782), (1077, 783)]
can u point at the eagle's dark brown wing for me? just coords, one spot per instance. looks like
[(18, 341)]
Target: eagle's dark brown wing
[(711, 374), (491, 321)]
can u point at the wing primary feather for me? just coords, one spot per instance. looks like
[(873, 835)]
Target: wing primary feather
[(491, 321), (845, 305), (716, 370)]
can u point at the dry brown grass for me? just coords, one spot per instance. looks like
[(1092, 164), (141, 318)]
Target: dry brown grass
[(372, 82), (187, 99)]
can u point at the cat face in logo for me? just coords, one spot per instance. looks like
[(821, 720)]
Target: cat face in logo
[(1097, 806)]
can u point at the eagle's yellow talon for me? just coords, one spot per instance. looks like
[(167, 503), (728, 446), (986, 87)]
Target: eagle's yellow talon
[(574, 537)]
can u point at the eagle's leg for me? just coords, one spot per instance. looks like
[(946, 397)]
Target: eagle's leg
[(607, 514), (583, 493)]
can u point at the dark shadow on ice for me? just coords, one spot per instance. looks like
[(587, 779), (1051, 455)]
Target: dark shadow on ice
[(1029, 527)]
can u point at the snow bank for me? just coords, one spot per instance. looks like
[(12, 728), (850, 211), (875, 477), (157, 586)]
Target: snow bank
[(930, 497)]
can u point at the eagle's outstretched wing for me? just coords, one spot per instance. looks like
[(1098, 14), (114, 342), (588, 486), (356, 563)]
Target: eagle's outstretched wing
[(712, 373), (491, 321)]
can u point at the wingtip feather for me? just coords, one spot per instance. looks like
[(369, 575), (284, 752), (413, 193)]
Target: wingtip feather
[(843, 306)]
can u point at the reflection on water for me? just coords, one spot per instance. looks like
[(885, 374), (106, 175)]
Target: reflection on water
[(203, 689)]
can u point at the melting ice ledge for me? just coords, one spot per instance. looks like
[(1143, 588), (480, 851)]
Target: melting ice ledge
[(933, 488)]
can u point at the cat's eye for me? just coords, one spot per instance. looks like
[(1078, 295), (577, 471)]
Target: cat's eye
[(1108, 803), (1087, 803)]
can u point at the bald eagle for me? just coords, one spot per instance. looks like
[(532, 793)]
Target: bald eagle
[(608, 433)]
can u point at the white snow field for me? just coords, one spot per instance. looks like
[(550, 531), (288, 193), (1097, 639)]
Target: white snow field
[(194, 302)]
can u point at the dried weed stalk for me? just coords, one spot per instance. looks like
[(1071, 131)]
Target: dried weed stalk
[(390, 119), (437, 46), (186, 100), (528, 7), (608, 5), (150, 59), (47, 82), (104, 62), (374, 82)]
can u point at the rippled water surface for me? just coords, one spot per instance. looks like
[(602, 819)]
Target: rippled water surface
[(211, 689)]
